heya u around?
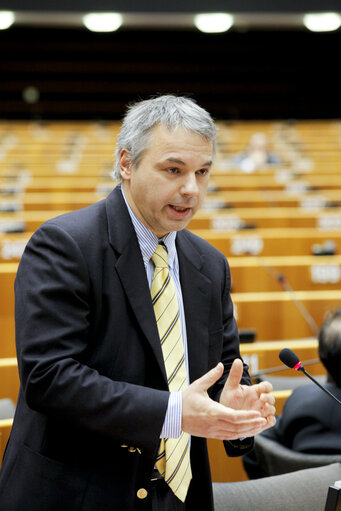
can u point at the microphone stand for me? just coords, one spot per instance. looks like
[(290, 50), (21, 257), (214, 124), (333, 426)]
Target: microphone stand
[(301, 368)]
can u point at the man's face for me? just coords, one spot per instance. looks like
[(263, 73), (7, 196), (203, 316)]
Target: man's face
[(170, 182)]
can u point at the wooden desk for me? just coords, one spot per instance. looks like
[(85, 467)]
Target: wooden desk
[(26, 221), (270, 242), (9, 379), (273, 181), (264, 355), (52, 184), (233, 220), (268, 198), (275, 316), (7, 335), (302, 273), (5, 430), (318, 168), (54, 201)]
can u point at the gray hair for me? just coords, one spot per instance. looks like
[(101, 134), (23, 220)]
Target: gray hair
[(173, 112)]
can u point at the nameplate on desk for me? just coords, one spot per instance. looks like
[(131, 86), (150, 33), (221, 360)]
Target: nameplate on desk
[(325, 273), (329, 222), (226, 223), (296, 187), (67, 166), (317, 202), (7, 226), (283, 176), (212, 203), (8, 189), (9, 207), (252, 245), (13, 249)]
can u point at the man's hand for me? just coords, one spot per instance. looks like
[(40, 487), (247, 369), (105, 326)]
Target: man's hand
[(203, 417), (244, 397)]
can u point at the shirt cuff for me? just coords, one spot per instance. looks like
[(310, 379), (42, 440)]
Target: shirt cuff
[(173, 418)]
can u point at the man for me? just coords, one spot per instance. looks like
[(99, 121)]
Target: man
[(310, 421), (99, 421)]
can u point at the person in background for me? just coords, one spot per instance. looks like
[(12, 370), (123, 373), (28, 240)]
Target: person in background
[(311, 420), (127, 345), (258, 154)]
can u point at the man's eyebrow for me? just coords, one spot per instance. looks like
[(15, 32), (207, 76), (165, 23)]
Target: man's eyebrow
[(175, 160), (180, 162)]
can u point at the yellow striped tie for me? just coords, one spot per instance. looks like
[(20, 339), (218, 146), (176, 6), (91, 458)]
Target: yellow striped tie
[(173, 461)]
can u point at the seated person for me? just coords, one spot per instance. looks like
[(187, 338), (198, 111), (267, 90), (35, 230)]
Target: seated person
[(311, 420), (257, 154)]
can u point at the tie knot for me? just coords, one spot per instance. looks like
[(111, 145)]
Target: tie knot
[(160, 257)]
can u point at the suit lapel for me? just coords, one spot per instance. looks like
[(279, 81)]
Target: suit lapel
[(131, 270), (196, 289)]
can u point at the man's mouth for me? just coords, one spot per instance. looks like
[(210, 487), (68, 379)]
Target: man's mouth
[(180, 210)]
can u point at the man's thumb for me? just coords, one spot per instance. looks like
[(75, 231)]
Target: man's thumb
[(207, 380)]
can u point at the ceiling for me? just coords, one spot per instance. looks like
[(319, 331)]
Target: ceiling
[(242, 21), (148, 14)]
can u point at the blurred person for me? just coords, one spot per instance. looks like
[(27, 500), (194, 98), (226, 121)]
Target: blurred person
[(256, 155), (127, 345), (311, 420)]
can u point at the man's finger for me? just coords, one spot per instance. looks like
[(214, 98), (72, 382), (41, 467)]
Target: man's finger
[(235, 375), (264, 387), (210, 378)]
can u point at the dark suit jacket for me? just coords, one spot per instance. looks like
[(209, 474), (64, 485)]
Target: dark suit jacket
[(310, 422), (93, 387)]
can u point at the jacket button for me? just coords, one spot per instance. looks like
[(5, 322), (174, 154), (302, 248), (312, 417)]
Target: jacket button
[(142, 493)]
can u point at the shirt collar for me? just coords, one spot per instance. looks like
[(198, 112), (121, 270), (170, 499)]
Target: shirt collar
[(147, 239)]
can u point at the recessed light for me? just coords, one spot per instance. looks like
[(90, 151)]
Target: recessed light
[(214, 22), (103, 22), (323, 22), (7, 19)]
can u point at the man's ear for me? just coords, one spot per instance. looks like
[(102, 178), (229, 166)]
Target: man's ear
[(125, 164)]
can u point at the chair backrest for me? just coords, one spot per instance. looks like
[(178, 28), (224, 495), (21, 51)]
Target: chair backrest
[(274, 458), (304, 490), (7, 408)]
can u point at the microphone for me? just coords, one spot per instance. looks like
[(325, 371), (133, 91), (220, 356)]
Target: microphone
[(290, 359)]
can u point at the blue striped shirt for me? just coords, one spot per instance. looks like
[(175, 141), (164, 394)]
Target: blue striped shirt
[(148, 243)]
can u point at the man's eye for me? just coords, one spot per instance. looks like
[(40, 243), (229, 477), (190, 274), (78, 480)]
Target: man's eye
[(203, 172), (173, 170)]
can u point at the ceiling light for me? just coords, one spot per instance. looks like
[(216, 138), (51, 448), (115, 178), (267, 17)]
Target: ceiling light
[(6, 19), (214, 22), (103, 22), (324, 22)]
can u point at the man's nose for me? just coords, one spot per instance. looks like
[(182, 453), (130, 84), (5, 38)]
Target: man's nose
[(190, 185)]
